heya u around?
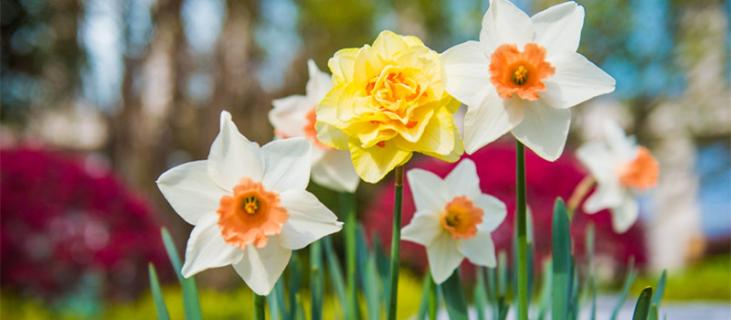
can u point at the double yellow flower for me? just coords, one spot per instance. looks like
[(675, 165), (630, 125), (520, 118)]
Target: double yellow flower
[(388, 101)]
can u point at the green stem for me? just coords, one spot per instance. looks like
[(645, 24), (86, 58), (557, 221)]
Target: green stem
[(317, 280), (395, 241), (433, 300), (522, 258), (259, 304), (347, 205)]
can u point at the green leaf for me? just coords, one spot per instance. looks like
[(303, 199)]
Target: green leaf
[(191, 304), (336, 274), (294, 272), (317, 281), (480, 294), (160, 307), (660, 291), (453, 297), (371, 288), (425, 292), (277, 308), (591, 282), (642, 308), (628, 281), (561, 253), (654, 314), (544, 303)]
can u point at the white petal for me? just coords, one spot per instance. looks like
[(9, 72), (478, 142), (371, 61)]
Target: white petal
[(544, 130), (428, 190), (504, 23), (575, 81), (480, 249), (444, 257), (493, 210), (232, 156), (463, 180), (423, 228), (608, 194), (335, 171), (488, 121), (558, 28), (466, 66), (261, 267), (289, 115), (206, 248), (622, 147), (625, 215), (190, 191), (287, 164), (309, 220), (319, 83), (599, 160)]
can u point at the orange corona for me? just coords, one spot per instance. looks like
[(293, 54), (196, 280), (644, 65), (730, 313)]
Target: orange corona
[(250, 215), (513, 72), (461, 218), (640, 173)]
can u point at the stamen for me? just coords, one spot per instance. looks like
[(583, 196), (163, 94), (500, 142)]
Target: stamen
[(251, 205), (520, 76)]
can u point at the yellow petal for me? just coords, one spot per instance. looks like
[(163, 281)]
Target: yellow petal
[(331, 136), (440, 138), (342, 64), (372, 164)]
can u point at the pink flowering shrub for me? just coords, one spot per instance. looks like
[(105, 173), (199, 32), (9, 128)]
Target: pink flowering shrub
[(62, 219), (545, 180)]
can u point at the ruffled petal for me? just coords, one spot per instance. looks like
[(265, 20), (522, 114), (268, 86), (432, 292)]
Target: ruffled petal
[(287, 164), (206, 248), (190, 191), (233, 157), (308, 221), (374, 163), (261, 267), (544, 130)]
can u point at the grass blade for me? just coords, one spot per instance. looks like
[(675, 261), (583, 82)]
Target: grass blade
[(317, 281), (425, 293), (628, 281), (191, 304), (561, 253), (371, 289), (336, 274), (453, 297), (160, 307), (276, 301), (660, 289), (642, 308), (544, 303), (480, 294), (590, 235)]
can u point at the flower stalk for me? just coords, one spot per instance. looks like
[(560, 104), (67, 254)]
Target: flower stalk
[(580, 192), (522, 258), (395, 238), (259, 306)]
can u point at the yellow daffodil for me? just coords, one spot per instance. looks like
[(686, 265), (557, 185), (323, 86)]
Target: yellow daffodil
[(388, 101), (621, 169), (522, 76)]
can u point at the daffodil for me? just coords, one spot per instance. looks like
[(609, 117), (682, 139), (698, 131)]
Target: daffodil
[(522, 76), (453, 219), (294, 116), (387, 102), (621, 170), (249, 206)]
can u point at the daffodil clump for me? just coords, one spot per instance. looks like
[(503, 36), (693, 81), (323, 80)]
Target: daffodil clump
[(381, 104), (388, 101)]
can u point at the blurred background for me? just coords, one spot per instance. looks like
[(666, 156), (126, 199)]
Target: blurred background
[(99, 97)]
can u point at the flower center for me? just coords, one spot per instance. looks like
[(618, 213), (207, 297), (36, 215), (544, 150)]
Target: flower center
[(250, 215), (394, 89), (640, 173), (461, 217), (521, 73)]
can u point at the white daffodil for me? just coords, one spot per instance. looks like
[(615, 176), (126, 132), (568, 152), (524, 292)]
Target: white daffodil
[(294, 116), (523, 76), (453, 219), (249, 206), (621, 169)]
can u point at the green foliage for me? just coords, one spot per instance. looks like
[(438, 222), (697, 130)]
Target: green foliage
[(190, 291), (714, 273), (562, 272), (156, 291), (642, 308), (451, 292), (628, 281)]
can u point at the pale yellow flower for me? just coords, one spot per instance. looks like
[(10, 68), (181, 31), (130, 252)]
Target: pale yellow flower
[(387, 102)]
